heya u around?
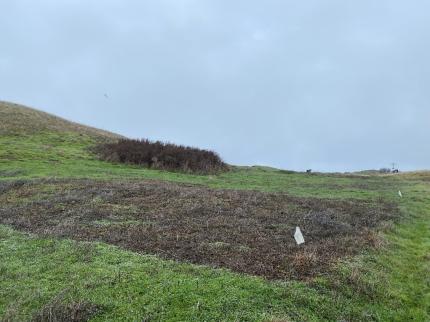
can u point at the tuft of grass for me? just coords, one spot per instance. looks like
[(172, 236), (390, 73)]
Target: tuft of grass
[(59, 309)]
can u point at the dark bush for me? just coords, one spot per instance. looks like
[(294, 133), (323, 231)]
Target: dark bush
[(163, 156)]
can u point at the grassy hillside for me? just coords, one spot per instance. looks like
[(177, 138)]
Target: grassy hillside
[(34, 144), (88, 239), (21, 120)]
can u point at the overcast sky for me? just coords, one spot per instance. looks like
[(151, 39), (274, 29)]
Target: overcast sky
[(331, 85)]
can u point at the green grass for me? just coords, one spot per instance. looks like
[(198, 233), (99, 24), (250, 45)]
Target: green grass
[(408, 258), (129, 285), (65, 155), (399, 274), (388, 285), (391, 283)]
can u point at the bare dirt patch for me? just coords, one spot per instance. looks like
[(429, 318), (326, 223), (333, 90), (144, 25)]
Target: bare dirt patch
[(246, 231)]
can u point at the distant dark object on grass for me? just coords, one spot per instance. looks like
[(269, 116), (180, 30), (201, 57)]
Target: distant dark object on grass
[(395, 171), (309, 171), (162, 156)]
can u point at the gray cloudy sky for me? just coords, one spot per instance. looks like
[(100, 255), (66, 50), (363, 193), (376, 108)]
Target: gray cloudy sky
[(332, 85)]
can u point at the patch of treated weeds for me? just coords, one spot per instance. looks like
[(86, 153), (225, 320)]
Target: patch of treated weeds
[(119, 222), (205, 226)]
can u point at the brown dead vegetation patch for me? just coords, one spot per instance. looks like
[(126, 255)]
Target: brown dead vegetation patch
[(61, 310), (246, 231)]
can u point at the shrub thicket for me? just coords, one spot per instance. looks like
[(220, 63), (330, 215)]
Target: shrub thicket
[(163, 156)]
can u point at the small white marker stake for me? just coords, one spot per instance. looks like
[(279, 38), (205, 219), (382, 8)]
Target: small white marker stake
[(298, 236), (400, 194)]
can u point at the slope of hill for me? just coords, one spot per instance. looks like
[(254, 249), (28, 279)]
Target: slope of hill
[(35, 144), (21, 120), (99, 241)]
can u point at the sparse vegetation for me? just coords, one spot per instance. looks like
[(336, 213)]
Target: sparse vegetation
[(161, 156)]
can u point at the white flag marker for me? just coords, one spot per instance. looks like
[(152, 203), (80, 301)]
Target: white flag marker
[(400, 194), (298, 236)]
